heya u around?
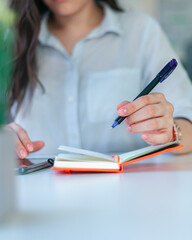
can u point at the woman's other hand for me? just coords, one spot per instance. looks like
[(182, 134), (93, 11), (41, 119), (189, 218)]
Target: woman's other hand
[(23, 144), (151, 115)]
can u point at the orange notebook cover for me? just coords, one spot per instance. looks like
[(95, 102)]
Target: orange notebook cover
[(81, 160)]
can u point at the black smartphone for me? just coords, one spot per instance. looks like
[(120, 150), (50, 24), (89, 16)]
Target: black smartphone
[(25, 166)]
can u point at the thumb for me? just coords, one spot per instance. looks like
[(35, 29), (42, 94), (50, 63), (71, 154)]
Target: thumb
[(37, 145), (122, 105)]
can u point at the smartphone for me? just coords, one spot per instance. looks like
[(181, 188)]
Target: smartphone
[(25, 166)]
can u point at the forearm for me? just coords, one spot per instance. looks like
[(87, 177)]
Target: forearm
[(186, 136)]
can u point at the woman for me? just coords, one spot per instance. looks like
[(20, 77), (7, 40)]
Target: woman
[(75, 61)]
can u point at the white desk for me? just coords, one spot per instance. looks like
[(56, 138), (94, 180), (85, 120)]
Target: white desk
[(151, 200)]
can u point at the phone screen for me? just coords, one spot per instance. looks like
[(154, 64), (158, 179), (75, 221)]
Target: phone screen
[(30, 165)]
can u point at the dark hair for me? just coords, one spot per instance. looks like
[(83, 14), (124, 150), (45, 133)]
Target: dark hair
[(29, 14)]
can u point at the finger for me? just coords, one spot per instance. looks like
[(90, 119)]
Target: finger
[(23, 136), (37, 145), (130, 108), (22, 152), (150, 125), (145, 113), (20, 149), (156, 139), (122, 105)]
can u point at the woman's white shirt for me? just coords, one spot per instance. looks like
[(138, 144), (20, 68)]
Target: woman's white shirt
[(112, 64)]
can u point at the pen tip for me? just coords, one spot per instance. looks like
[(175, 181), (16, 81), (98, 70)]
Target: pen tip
[(114, 124)]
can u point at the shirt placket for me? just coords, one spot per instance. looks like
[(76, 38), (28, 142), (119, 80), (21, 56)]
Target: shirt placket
[(72, 93)]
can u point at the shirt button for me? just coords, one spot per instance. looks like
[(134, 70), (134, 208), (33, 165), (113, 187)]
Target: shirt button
[(70, 99)]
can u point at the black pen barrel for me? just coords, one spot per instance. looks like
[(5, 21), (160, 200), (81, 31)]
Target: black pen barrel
[(149, 87)]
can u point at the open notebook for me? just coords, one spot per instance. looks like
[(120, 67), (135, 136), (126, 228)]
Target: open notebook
[(88, 161)]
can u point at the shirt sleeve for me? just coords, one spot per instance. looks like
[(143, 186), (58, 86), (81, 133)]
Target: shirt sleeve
[(177, 88)]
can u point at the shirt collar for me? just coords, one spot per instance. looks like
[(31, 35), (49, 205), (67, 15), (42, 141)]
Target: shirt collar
[(110, 24), (44, 34)]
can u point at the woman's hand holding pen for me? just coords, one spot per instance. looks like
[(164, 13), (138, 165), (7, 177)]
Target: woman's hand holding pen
[(151, 115), (23, 144)]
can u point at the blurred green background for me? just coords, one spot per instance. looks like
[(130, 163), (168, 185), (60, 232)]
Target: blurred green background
[(6, 54)]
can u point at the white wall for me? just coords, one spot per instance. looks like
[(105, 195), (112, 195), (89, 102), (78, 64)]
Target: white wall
[(175, 17), (148, 6)]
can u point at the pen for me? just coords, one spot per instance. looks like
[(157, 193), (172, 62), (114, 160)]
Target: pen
[(161, 76)]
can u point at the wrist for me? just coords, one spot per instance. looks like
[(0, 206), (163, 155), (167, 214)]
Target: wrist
[(176, 132)]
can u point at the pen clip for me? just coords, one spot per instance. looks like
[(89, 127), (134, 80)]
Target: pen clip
[(166, 75)]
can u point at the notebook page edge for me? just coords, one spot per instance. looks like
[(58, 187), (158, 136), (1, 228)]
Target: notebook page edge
[(86, 152), (124, 157)]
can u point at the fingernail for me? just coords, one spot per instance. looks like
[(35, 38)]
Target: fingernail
[(122, 110), (29, 147), (129, 128), (144, 137), (22, 154)]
